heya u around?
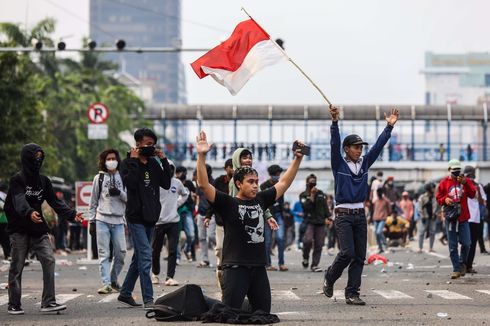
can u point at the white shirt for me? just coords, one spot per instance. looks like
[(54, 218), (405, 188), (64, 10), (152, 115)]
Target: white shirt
[(355, 167), (474, 205), (171, 200)]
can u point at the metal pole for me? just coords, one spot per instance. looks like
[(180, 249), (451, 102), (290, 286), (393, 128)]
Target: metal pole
[(305, 117), (448, 131), (412, 145), (235, 122), (485, 128), (270, 132)]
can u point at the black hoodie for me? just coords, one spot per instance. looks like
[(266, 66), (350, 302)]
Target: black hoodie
[(27, 191)]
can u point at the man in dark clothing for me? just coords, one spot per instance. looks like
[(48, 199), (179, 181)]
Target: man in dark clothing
[(205, 228), (316, 213), (276, 211), (28, 229), (351, 191), (186, 214), (142, 176)]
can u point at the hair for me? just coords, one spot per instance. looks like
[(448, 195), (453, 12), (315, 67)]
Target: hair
[(103, 157), (142, 132), (229, 162), (240, 174), (245, 152), (380, 192), (180, 169), (379, 173), (311, 176)]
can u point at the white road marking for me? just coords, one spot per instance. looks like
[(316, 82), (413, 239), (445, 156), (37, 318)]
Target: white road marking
[(392, 294), (64, 298), (285, 295), (449, 295), (109, 298), (435, 254), (4, 299), (338, 294), (483, 291)]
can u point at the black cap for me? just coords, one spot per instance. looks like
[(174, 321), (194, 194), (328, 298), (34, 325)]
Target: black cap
[(353, 140), (274, 169)]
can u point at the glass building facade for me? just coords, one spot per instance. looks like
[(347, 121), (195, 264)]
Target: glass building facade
[(145, 23)]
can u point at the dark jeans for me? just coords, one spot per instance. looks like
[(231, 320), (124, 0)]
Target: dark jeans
[(314, 233), (458, 232), (171, 230), (140, 263), (481, 241), (62, 230), (241, 281), (474, 235), (280, 235), (21, 243), (4, 240), (75, 232), (332, 237), (352, 234)]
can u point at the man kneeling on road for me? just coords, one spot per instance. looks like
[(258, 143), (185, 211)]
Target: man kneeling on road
[(243, 259)]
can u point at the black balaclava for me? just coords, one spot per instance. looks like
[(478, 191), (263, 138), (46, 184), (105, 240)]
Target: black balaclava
[(31, 165)]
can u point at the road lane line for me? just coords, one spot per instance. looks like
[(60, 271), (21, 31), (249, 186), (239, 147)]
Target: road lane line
[(64, 298), (109, 298), (338, 294), (392, 294), (285, 295), (4, 299), (435, 254), (483, 291), (449, 295)]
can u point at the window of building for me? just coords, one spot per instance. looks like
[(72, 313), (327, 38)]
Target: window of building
[(487, 79)]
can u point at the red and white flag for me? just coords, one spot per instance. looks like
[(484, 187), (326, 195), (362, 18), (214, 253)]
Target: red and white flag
[(236, 60)]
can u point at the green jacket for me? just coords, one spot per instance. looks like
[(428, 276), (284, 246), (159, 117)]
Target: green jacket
[(315, 212)]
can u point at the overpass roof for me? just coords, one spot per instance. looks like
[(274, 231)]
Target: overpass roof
[(311, 112)]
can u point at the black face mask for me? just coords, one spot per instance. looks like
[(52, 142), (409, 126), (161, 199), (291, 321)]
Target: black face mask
[(183, 176), (455, 173), (38, 163), (147, 151), (312, 185)]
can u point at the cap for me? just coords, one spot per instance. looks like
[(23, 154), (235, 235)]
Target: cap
[(353, 140), (454, 164), (274, 169)]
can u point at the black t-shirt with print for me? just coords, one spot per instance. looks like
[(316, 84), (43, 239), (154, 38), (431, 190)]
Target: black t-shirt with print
[(243, 222)]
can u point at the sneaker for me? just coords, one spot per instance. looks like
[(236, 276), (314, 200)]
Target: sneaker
[(177, 261), (53, 307), (283, 268), (271, 268), (471, 271), (15, 310), (316, 269), (203, 264), (188, 255), (355, 300), (129, 301), (455, 275), (154, 279), (171, 282), (305, 263), (106, 289), (327, 288), (420, 251), (463, 270), (115, 287), (149, 305)]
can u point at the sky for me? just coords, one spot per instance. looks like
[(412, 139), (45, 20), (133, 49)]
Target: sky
[(357, 51)]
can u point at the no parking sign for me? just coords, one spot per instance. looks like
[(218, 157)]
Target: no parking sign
[(98, 113)]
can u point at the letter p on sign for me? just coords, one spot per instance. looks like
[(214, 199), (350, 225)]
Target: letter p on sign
[(98, 113)]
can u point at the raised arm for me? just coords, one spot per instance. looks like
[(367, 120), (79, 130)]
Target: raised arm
[(335, 153), (287, 178), (376, 149), (202, 147)]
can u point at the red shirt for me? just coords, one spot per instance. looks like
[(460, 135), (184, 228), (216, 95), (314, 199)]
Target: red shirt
[(458, 192)]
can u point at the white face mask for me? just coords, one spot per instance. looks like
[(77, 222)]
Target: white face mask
[(111, 165)]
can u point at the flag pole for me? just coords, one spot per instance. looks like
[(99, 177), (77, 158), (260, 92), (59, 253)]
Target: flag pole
[(292, 61)]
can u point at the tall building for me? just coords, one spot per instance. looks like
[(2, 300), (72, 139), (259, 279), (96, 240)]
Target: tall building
[(462, 79), (144, 23)]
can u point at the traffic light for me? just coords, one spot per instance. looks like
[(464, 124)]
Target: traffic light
[(120, 45), (61, 45), (91, 44)]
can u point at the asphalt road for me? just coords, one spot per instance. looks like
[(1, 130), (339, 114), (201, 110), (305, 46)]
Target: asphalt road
[(413, 289)]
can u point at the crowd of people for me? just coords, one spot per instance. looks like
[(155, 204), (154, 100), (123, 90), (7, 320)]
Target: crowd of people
[(146, 203)]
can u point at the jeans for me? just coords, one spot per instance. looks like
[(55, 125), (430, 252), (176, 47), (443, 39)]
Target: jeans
[(279, 240), (218, 250), (314, 233), (458, 232), (4, 240), (203, 236), (106, 233), (241, 281), (352, 234), (140, 263), (188, 223), (424, 226), (44, 251), (379, 228), (474, 233), (171, 230)]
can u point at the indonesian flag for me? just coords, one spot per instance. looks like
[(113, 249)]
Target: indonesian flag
[(236, 60)]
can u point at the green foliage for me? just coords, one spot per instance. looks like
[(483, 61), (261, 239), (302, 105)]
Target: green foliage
[(44, 99)]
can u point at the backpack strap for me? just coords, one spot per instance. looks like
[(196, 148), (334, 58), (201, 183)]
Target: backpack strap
[(164, 313), (101, 180)]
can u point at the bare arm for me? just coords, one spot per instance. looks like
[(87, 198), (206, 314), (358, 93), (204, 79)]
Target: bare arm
[(288, 177), (202, 148)]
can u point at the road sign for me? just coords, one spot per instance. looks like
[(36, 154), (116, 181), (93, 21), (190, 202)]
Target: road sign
[(99, 131), (83, 191), (98, 113)]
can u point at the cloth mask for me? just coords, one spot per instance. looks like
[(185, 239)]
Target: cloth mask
[(111, 165)]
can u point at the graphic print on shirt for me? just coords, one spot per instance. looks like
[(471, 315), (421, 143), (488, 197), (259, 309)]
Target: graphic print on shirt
[(34, 193), (455, 192), (146, 179), (253, 222)]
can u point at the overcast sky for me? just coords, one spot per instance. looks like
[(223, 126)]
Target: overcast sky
[(359, 52)]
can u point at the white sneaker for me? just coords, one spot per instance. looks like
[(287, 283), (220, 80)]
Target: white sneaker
[(171, 282), (154, 279)]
